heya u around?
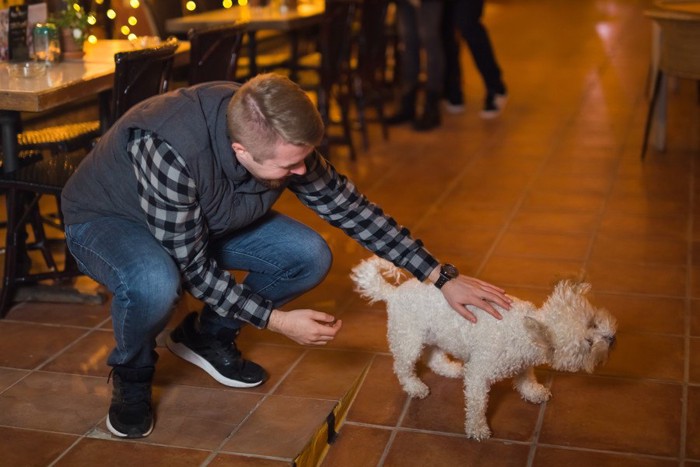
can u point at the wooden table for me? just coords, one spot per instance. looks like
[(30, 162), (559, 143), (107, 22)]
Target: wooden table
[(63, 83), (256, 18)]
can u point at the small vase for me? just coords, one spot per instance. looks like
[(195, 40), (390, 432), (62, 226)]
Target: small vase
[(71, 49)]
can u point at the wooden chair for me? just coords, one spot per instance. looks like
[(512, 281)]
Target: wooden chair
[(214, 53), (139, 74), (678, 56)]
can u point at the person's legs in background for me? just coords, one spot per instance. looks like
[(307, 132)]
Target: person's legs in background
[(284, 259), (467, 17), (452, 91)]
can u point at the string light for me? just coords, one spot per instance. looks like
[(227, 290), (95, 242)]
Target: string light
[(190, 5)]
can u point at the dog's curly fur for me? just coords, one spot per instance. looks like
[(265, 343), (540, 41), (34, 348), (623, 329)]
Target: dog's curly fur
[(567, 333)]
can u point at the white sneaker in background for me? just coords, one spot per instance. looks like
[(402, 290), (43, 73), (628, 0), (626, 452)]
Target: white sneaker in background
[(493, 105)]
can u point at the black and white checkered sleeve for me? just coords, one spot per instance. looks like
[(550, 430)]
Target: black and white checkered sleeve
[(338, 201), (168, 198)]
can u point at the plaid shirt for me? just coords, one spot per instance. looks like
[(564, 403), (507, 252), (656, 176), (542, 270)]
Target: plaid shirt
[(168, 197)]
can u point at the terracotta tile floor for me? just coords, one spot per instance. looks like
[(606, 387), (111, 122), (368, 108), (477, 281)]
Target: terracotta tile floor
[(553, 188)]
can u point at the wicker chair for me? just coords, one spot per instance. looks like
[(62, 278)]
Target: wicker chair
[(139, 74), (678, 56)]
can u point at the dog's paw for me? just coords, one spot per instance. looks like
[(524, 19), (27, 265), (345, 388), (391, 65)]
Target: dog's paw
[(417, 389), (478, 432), (536, 393)]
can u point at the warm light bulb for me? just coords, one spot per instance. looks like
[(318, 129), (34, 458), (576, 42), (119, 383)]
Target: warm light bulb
[(125, 30), (91, 20), (227, 3), (132, 21), (191, 6), (111, 14), (242, 2), (134, 4), (92, 39)]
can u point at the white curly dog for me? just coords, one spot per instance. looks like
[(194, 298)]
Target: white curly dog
[(567, 333)]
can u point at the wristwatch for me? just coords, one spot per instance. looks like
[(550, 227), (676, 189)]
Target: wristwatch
[(447, 273)]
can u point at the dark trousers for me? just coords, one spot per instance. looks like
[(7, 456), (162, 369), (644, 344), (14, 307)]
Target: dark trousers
[(464, 16)]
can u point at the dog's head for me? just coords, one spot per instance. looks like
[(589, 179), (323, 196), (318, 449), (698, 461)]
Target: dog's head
[(578, 334)]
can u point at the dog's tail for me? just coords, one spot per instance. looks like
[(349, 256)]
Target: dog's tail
[(370, 281)]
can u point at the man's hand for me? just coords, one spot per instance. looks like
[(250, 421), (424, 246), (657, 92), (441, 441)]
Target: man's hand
[(307, 327), (464, 290)]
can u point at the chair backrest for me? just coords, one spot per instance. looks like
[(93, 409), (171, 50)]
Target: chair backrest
[(140, 74), (157, 12), (336, 40), (372, 42), (214, 53)]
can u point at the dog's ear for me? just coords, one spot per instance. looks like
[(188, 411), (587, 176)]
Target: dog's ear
[(539, 335)]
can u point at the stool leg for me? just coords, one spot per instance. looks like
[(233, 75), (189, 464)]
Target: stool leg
[(650, 112), (11, 245)]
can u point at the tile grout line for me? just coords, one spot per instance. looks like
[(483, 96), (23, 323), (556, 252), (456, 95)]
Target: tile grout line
[(683, 447), (394, 432), (216, 451)]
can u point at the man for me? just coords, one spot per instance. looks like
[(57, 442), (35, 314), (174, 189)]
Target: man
[(180, 190)]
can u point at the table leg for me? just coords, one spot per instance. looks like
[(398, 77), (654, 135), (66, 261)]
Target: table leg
[(9, 128)]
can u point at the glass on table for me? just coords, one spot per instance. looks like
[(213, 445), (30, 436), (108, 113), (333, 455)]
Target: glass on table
[(47, 48)]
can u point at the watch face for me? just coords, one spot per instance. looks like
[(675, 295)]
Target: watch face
[(449, 270)]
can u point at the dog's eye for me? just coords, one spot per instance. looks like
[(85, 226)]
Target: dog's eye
[(590, 342)]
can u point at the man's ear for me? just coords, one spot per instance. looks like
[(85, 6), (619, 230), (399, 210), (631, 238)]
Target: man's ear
[(238, 148)]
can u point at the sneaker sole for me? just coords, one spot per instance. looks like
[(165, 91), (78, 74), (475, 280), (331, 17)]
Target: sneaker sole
[(119, 434), (454, 109), (186, 354), (500, 102)]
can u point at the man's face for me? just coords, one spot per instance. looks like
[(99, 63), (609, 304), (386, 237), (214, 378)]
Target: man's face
[(272, 171)]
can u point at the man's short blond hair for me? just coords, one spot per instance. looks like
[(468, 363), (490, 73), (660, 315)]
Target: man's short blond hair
[(269, 108)]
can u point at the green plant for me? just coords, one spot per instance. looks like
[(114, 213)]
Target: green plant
[(73, 18)]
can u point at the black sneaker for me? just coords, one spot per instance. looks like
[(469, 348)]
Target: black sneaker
[(493, 104), (218, 357), (131, 413)]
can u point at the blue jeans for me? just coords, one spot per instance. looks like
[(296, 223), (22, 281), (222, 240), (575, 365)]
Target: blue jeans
[(283, 257)]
